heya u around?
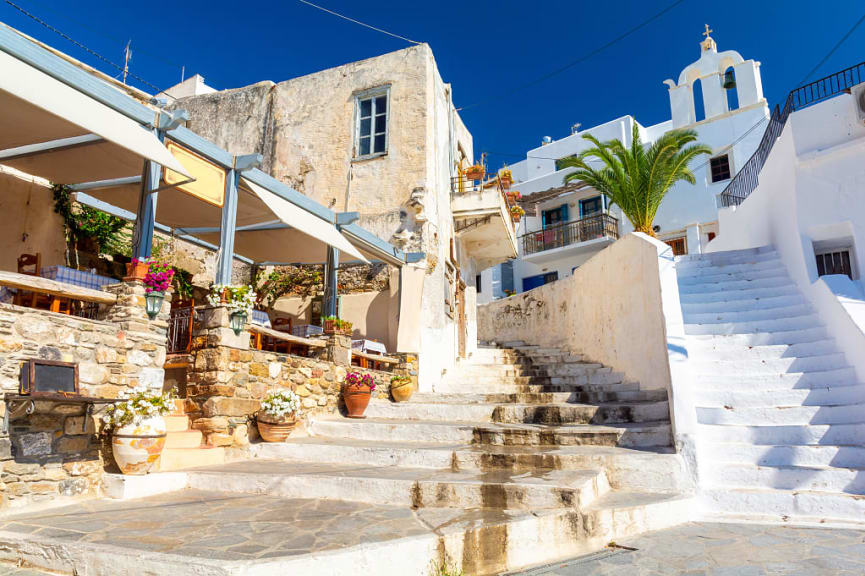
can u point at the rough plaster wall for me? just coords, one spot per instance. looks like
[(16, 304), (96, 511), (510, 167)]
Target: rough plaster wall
[(29, 223), (610, 311)]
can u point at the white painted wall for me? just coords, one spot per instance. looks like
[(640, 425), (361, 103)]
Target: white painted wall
[(811, 190)]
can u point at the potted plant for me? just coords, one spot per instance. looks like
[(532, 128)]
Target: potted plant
[(401, 387), (357, 389), (334, 325), (139, 428), (514, 196), (506, 177), (278, 415), (238, 299), (137, 269), (157, 281), (517, 213), (475, 172)]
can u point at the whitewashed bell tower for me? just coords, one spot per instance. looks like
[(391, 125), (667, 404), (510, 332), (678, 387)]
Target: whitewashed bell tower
[(710, 70)]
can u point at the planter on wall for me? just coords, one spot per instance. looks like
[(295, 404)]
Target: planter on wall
[(136, 271), (356, 400), (137, 447), (475, 173), (274, 429)]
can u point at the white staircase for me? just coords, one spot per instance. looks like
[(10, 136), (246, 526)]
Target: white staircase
[(781, 414)]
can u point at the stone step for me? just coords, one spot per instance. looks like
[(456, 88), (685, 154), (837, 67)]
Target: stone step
[(481, 542), (780, 381), (782, 337), (735, 296), (564, 384), (782, 416), (733, 285), (586, 395), (749, 366), (787, 435), (780, 325), (747, 315), (798, 506), (781, 455), (727, 257), (702, 271), (411, 487), (624, 468), (176, 423), (828, 396), (184, 439), (813, 478), (184, 458), (716, 275), (412, 431), (552, 414), (743, 305), (721, 349)]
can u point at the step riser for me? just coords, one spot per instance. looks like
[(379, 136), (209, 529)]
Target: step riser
[(837, 480), (786, 506), (750, 366), (714, 276), (732, 285), (659, 437), (719, 317), (703, 271), (826, 379), (745, 305), (783, 325), (719, 350), (844, 434), (837, 456), (728, 257), (416, 494), (737, 296), (765, 398), (558, 415), (592, 397), (795, 416)]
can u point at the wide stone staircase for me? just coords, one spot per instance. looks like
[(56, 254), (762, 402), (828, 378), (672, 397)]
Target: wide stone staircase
[(522, 455), (781, 414)]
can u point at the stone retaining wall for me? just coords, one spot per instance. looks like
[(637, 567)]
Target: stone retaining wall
[(55, 451)]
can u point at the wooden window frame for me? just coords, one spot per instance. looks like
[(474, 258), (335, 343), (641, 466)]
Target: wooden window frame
[(372, 94)]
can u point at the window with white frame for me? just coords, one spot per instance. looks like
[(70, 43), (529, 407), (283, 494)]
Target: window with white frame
[(372, 115)]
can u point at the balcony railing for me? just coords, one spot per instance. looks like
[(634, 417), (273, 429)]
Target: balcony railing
[(559, 235), (461, 185), (746, 180)]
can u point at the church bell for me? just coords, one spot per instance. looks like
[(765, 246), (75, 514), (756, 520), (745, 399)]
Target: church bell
[(729, 80)]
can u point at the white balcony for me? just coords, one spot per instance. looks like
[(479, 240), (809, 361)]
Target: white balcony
[(482, 221)]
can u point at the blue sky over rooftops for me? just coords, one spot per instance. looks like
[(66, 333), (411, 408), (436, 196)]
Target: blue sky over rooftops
[(484, 48)]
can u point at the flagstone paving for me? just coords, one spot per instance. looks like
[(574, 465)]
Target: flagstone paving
[(706, 549)]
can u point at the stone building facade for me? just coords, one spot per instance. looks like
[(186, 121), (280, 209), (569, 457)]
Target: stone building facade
[(311, 133)]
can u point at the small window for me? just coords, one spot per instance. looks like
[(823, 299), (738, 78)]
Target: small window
[(836, 262), (720, 168), (372, 121), (679, 246)]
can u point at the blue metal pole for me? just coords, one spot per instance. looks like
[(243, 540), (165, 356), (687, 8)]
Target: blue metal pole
[(331, 294), (145, 218), (227, 229)]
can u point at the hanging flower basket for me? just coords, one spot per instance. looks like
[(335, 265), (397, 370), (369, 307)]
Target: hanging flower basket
[(136, 270), (506, 178), (401, 388), (475, 172), (517, 213), (278, 415), (357, 390), (138, 429)]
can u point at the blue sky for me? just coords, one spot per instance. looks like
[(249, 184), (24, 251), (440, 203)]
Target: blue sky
[(482, 48)]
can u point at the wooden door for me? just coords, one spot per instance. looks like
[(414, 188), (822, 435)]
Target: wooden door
[(461, 318)]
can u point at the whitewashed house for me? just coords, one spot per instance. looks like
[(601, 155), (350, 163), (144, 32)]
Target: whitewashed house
[(720, 96)]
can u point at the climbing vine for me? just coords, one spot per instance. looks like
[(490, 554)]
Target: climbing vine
[(303, 281), (83, 222)]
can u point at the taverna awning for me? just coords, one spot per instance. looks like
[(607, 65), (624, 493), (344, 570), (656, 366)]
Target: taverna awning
[(54, 131)]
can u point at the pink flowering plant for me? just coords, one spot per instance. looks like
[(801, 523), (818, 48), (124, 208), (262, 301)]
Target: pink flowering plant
[(159, 276), (358, 380)]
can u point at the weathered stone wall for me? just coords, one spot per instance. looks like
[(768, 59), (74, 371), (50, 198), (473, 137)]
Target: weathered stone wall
[(227, 380), (55, 451)]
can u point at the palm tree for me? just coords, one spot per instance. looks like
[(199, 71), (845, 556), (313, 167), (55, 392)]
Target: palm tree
[(637, 179)]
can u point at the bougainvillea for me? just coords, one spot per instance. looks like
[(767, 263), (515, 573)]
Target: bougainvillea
[(358, 379)]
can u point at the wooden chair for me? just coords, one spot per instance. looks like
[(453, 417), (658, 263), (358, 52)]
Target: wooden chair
[(281, 345), (31, 265)]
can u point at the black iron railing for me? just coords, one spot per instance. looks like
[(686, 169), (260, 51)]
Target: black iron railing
[(180, 330), (746, 180), (588, 228)]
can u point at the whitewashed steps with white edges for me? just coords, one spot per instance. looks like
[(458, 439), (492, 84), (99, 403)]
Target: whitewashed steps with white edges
[(781, 414)]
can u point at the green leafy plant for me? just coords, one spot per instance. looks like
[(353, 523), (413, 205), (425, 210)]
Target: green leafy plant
[(83, 222), (271, 286), (399, 380), (338, 323), (637, 178), (238, 299), (182, 283), (445, 567)]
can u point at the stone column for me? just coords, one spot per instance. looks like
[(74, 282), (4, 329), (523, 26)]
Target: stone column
[(338, 349)]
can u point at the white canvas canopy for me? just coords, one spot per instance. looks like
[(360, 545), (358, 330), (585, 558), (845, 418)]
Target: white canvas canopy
[(54, 131)]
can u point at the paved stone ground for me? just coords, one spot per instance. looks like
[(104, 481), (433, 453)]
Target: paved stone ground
[(704, 549)]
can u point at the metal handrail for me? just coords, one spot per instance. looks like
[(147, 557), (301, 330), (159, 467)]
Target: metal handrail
[(602, 225), (460, 185), (746, 180)]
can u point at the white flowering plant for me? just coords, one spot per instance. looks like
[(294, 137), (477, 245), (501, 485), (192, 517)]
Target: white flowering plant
[(238, 299), (138, 404), (280, 403)]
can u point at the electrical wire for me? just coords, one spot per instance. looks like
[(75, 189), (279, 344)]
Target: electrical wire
[(337, 14), (573, 63), (82, 46)]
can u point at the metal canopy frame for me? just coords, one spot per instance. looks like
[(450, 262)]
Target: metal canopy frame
[(167, 124)]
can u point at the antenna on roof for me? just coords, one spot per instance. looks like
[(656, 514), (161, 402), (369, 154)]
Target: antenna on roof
[(127, 56)]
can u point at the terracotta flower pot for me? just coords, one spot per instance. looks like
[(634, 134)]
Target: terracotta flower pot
[(475, 173), (402, 393), (356, 400), (136, 271), (516, 217), (137, 447), (275, 429)]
